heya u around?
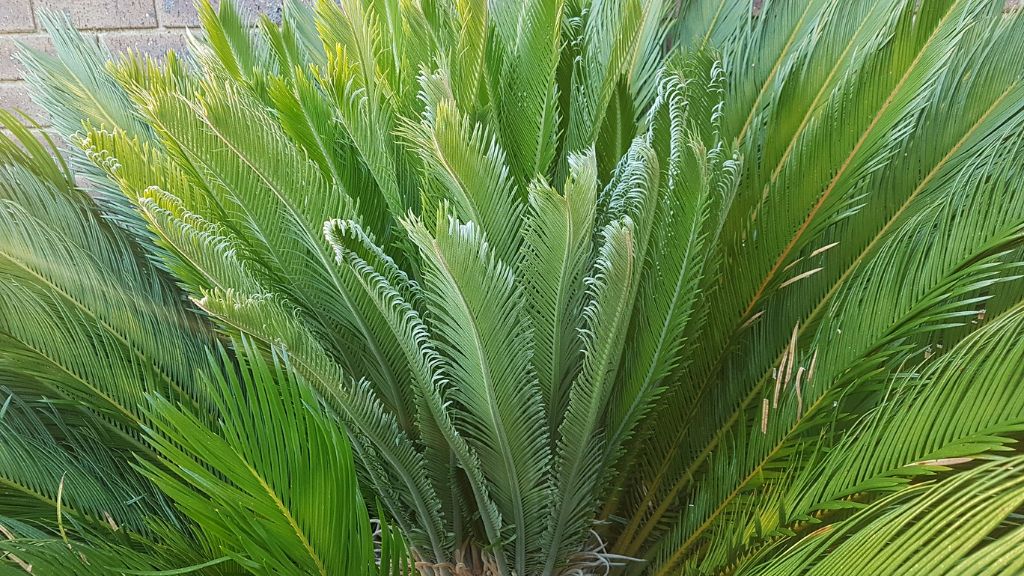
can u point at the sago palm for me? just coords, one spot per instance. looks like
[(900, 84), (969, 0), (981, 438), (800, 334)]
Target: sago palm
[(132, 440), (651, 287)]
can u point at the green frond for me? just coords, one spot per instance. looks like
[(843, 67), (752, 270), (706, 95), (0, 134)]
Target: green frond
[(525, 57), (467, 55), (964, 515), (224, 137), (236, 49), (467, 167), (611, 41), (580, 441), (99, 554), (274, 486), (75, 296), (827, 238), (961, 407), (558, 249), (853, 351), (21, 148), (90, 331), (204, 255), (385, 445), (364, 102), (300, 17), (50, 459), (698, 183), (473, 301), (395, 295)]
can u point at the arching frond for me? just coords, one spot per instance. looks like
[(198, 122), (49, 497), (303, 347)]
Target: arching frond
[(274, 485), (557, 251), (580, 441), (832, 238), (963, 515), (467, 166), (472, 299), (76, 298)]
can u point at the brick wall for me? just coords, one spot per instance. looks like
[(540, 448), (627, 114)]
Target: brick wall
[(150, 26)]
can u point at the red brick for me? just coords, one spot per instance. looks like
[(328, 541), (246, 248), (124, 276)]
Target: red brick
[(105, 14), (16, 16)]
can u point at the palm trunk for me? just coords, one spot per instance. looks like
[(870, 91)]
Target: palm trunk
[(469, 561)]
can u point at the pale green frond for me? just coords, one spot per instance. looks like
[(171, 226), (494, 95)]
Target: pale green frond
[(301, 17), (236, 48), (74, 84), (137, 165), (643, 73), (698, 183), (239, 184), (469, 166), (468, 54), (22, 148), (376, 51), (226, 137), (76, 89), (388, 43), (202, 254), (558, 249), (526, 96), (284, 47), (476, 311), (628, 205), (370, 119), (308, 122), (580, 441), (610, 41), (278, 208), (390, 292), (237, 301)]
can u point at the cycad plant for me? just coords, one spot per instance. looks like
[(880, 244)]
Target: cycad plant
[(651, 287), (132, 440)]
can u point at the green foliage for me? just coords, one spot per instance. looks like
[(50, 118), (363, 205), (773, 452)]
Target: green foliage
[(134, 443), (707, 287), (277, 457)]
